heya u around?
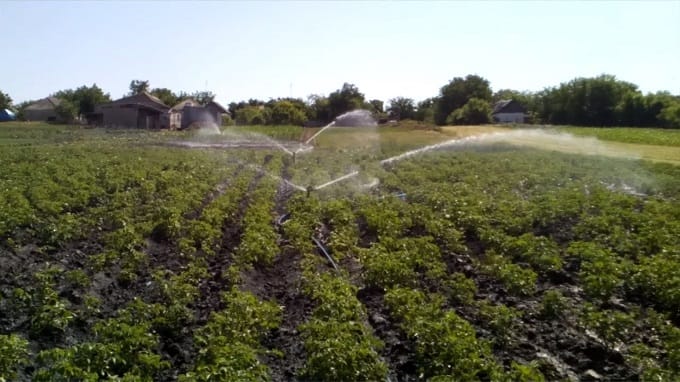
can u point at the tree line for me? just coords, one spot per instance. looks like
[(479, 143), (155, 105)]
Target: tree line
[(597, 101)]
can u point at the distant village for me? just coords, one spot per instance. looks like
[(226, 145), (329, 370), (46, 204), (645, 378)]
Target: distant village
[(141, 110)]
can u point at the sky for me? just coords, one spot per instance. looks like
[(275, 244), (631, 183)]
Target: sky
[(260, 49)]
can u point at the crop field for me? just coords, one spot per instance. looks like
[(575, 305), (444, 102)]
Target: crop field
[(167, 256)]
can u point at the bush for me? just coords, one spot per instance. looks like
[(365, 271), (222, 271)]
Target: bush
[(341, 351), (657, 279), (13, 354), (553, 304), (475, 112), (499, 318)]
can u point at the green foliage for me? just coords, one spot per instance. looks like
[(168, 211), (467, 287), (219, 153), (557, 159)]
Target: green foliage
[(286, 113), (460, 289), (657, 279), (553, 304), (475, 112), (343, 100), (5, 101), (138, 86), (500, 319), (402, 108), (124, 349), (398, 262), (524, 373), (659, 137), (252, 115), (66, 111), (13, 354), (83, 98), (517, 280), (445, 344), (601, 274), (611, 326), (229, 342), (49, 314), (458, 92), (340, 351), (166, 96)]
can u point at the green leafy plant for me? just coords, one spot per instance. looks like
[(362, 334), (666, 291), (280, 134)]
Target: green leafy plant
[(13, 354), (553, 304)]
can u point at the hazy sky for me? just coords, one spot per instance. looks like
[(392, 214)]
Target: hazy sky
[(242, 50)]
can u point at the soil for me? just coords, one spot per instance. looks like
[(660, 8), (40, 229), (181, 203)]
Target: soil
[(564, 350)]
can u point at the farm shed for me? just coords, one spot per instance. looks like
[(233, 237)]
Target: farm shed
[(43, 110), (192, 112), (7, 115), (139, 111), (508, 111)]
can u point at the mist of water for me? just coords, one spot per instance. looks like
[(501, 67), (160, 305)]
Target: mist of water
[(319, 132), (208, 129), (336, 180), (526, 137), (354, 118)]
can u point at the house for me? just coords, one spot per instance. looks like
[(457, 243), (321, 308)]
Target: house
[(193, 113), (43, 110), (508, 111), (139, 111), (7, 115)]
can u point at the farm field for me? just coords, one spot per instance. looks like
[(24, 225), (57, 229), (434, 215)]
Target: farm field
[(136, 255)]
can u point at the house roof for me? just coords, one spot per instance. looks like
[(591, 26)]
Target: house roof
[(184, 103), (48, 103), (508, 106), (217, 106), (143, 99)]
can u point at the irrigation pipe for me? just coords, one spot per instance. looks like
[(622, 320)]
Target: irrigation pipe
[(321, 247)]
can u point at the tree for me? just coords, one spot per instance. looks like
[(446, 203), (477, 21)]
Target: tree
[(166, 95), (5, 101), (402, 108), (475, 112), (138, 86), (343, 100), (84, 98), (252, 115), (203, 97), (286, 113), (458, 92), (670, 115), (377, 106), (598, 101), (425, 110), (66, 110), (319, 107)]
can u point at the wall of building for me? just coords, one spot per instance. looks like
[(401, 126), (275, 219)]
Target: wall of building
[(509, 117), (40, 115), (120, 117)]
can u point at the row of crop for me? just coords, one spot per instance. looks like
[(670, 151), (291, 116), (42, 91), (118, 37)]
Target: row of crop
[(619, 244), (338, 341), (204, 233), (408, 258), (61, 194), (259, 239), (229, 344)]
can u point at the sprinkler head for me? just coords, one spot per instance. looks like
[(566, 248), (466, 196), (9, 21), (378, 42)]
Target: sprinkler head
[(310, 188)]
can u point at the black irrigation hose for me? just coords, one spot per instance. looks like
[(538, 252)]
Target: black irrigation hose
[(321, 247)]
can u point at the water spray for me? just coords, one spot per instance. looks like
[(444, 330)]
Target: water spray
[(319, 132)]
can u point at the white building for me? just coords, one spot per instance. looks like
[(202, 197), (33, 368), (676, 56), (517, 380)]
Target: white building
[(508, 111)]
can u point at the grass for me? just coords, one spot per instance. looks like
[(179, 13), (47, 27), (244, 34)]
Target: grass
[(645, 136)]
